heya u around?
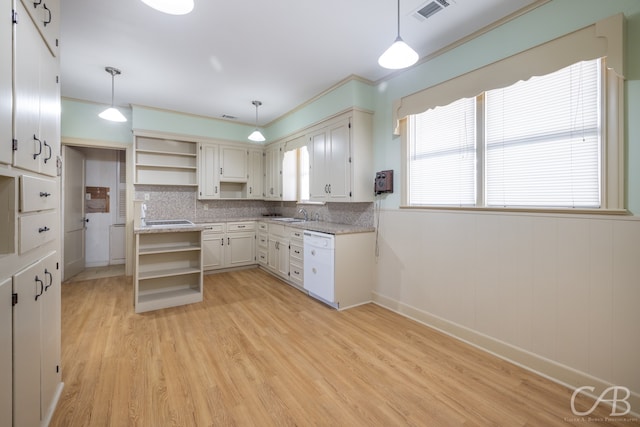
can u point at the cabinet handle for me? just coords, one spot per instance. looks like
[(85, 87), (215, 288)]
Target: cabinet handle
[(48, 21), (50, 151), (220, 171), (222, 242), (35, 155), (43, 194), (43, 229), (41, 287), (216, 192), (50, 279), (297, 251), (241, 226), (329, 188), (36, 3), (250, 190), (228, 241)]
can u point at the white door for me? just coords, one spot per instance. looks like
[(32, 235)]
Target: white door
[(74, 218)]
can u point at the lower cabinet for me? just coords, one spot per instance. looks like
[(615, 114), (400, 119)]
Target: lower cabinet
[(278, 256), (227, 245), (296, 257), (6, 356), (168, 269), (36, 363)]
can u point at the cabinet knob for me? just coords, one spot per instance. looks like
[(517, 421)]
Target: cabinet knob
[(43, 229), (43, 194)]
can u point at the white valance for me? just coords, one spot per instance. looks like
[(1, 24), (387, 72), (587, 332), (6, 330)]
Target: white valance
[(602, 39)]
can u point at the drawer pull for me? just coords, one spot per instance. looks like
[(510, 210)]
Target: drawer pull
[(35, 155), (43, 229), (48, 20), (50, 279), (241, 226), (296, 251), (43, 194), (41, 287)]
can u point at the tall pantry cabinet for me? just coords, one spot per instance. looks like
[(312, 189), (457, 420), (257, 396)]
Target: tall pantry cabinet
[(30, 162)]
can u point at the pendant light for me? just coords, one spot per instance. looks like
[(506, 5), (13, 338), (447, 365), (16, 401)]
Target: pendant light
[(112, 113), (171, 7), (399, 55), (256, 135)]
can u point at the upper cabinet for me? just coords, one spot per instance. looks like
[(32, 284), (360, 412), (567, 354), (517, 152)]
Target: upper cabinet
[(255, 182), (165, 161), (46, 15), (36, 141), (233, 164), (6, 95), (208, 177), (341, 159)]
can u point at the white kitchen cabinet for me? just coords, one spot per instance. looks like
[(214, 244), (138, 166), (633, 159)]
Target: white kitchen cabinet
[(273, 172), (233, 164), (296, 257), (213, 246), (6, 357), (329, 178), (228, 245), (38, 193), (46, 15), (278, 257), (168, 270), (341, 159), (255, 182), (208, 176), (37, 229), (6, 84), (36, 100), (36, 314), (161, 161), (262, 244)]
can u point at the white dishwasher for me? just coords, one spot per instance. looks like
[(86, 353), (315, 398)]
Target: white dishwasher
[(319, 249)]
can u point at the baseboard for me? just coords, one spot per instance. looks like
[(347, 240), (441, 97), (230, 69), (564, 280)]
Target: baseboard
[(542, 366), (46, 420)]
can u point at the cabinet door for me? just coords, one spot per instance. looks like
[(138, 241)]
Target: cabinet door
[(283, 258), (337, 154), (212, 251), (272, 257), (6, 362), (46, 15), (208, 176), (6, 93), (241, 249), (49, 114), (28, 50), (233, 164), (50, 314), (255, 184), (28, 284), (318, 182)]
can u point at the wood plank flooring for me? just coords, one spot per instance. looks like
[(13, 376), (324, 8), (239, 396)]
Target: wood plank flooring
[(259, 352)]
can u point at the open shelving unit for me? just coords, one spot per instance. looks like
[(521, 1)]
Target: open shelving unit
[(168, 269), (165, 162)]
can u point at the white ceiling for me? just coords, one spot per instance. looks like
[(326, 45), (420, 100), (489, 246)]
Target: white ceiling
[(225, 54)]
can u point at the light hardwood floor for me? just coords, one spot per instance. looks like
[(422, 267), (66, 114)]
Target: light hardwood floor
[(258, 352)]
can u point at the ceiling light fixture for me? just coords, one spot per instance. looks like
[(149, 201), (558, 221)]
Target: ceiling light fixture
[(112, 113), (256, 135), (172, 7), (399, 55)]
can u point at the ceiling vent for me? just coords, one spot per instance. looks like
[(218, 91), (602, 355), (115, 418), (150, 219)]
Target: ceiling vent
[(431, 8)]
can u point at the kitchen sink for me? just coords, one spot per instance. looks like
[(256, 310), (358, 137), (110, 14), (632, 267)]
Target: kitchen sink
[(288, 219), (169, 223)]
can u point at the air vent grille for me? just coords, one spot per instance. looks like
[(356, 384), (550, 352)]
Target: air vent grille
[(430, 9)]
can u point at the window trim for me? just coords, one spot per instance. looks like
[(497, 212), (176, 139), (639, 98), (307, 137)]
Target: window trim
[(604, 38)]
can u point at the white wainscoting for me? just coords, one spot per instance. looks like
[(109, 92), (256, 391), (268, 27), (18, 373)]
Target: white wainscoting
[(558, 294)]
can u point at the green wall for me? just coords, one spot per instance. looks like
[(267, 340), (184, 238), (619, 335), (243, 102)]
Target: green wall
[(553, 19)]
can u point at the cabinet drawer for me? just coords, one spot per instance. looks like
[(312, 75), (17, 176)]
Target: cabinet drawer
[(241, 226), (297, 234), (262, 226), (296, 273), (262, 257), (263, 240), (278, 230), (296, 252), (37, 194), (36, 230), (213, 228)]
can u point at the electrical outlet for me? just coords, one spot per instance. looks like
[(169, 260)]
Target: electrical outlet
[(146, 196)]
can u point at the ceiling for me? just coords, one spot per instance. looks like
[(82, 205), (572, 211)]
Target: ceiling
[(217, 59)]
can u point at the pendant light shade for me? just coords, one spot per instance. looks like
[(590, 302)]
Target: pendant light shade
[(171, 7), (112, 114), (256, 135), (399, 55)]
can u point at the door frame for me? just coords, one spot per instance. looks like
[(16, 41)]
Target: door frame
[(113, 145)]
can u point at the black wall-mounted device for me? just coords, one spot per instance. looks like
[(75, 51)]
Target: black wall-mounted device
[(383, 182)]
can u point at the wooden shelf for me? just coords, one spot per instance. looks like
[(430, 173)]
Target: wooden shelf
[(161, 249), (167, 273), (165, 162)]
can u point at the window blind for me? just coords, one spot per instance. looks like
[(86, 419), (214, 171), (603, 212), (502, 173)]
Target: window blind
[(443, 155), (542, 140)]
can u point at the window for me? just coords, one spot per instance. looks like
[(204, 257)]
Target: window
[(536, 143)]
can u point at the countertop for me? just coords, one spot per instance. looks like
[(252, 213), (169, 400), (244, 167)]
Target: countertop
[(320, 226)]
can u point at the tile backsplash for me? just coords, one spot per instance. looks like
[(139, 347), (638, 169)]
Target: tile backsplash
[(174, 202)]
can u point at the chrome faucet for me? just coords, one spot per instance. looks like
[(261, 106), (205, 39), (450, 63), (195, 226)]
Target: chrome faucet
[(304, 212)]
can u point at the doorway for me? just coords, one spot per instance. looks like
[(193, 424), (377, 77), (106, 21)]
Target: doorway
[(94, 201)]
